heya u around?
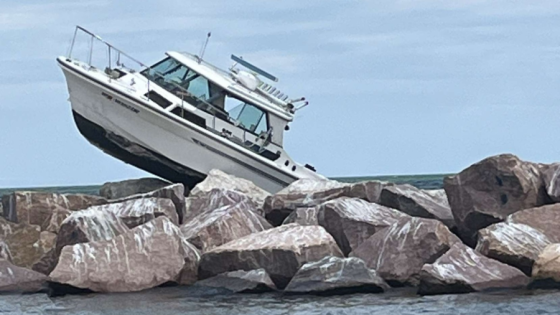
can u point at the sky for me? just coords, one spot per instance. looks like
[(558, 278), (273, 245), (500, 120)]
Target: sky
[(395, 86)]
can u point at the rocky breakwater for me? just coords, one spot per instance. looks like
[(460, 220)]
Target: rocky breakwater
[(495, 226)]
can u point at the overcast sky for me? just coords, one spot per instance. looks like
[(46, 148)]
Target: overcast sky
[(396, 87)]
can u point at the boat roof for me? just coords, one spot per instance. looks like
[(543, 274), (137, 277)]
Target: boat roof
[(224, 79)]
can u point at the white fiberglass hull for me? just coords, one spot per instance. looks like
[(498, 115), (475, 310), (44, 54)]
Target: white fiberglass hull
[(164, 144)]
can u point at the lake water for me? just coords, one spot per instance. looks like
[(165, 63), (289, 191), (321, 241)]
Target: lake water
[(192, 300)]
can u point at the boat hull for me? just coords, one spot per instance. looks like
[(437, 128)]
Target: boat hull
[(144, 136)]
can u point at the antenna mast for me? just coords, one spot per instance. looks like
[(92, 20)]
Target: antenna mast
[(203, 49)]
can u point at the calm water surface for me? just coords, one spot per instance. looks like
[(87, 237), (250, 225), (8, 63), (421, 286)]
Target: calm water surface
[(183, 300)]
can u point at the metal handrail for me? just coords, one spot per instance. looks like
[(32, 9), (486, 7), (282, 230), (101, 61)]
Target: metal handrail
[(120, 52)]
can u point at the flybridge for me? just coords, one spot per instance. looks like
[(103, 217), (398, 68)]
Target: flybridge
[(253, 83)]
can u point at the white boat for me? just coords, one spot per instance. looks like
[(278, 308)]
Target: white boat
[(183, 117)]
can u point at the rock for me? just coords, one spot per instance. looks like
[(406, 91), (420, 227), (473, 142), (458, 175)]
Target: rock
[(546, 270), (417, 203), (216, 227), (399, 251), (351, 221), (545, 219), (5, 253), (47, 240), (23, 242), (307, 193), (240, 281), (219, 179), (303, 216), (551, 179), (302, 193), (144, 257), (439, 195), (214, 199), (125, 188), (191, 255), (281, 251), (57, 216), (515, 244), (90, 225), (36, 207), (175, 192), (368, 190), (19, 280), (334, 275), (488, 191), (462, 270), (136, 212)]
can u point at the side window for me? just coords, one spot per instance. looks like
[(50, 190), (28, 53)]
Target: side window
[(199, 88), (262, 126), (251, 118)]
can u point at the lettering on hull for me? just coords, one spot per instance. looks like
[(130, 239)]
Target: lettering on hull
[(116, 100)]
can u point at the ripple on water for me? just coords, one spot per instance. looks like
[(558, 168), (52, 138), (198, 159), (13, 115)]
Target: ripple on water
[(182, 300)]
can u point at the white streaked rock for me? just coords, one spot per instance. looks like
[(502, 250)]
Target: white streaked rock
[(136, 212), (515, 244), (351, 221), (219, 179), (281, 251), (216, 227), (335, 275), (462, 269), (144, 257)]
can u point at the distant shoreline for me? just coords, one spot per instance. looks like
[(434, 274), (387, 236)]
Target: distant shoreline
[(427, 181)]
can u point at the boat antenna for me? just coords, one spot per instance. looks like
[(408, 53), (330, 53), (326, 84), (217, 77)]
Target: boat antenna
[(203, 49)]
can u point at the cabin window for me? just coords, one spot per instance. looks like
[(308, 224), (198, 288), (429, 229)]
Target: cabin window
[(249, 117), (196, 90)]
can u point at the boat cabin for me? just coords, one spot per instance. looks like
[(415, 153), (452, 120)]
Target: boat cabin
[(228, 103)]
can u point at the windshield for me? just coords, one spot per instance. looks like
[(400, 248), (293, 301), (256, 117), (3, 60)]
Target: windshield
[(195, 89)]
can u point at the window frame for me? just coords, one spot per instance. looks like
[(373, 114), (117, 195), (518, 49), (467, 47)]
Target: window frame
[(146, 74)]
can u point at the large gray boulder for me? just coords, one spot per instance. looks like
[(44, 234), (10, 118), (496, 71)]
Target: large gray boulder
[(214, 199), (303, 216), (351, 221), (515, 244), (16, 279), (36, 207), (551, 180), (306, 193), (546, 270), (144, 257), (175, 193), (216, 227), (221, 180), (488, 191), (136, 212), (125, 188), (417, 203), (240, 281), (545, 219), (462, 270), (84, 226), (399, 251), (23, 241), (335, 275), (281, 251)]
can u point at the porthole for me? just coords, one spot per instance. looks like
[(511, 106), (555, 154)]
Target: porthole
[(293, 168), (287, 163)]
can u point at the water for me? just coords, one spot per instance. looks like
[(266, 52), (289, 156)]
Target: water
[(188, 300), (420, 181), (192, 300)]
